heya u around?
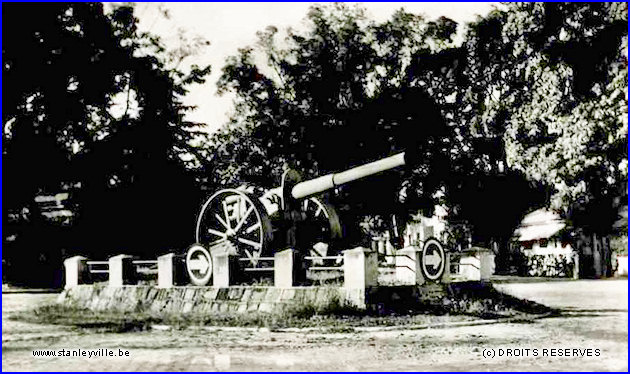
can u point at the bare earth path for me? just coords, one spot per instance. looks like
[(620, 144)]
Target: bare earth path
[(595, 317)]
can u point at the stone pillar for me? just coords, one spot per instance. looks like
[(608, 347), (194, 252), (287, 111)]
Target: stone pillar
[(223, 265), (76, 271), (168, 270), (360, 270), (470, 267), (408, 268), (447, 278), (283, 269), (122, 271), (486, 265)]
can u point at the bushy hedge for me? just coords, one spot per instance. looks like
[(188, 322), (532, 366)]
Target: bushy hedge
[(549, 265)]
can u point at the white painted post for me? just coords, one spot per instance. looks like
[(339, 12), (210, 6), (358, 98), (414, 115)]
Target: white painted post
[(447, 277), (122, 271), (220, 267), (76, 271), (470, 267), (487, 265), (283, 274), (360, 270), (408, 268), (166, 270)]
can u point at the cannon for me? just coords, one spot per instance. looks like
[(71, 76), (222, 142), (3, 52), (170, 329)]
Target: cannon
[(291, 215)]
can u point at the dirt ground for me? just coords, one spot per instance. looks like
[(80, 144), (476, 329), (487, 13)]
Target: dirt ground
[(595, 317)]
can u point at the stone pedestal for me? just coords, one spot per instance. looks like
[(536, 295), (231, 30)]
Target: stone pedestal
[(360, 270), (487, 265), (223, 264), (408, 269), (76, 271), (476, 264), (122, 271), (170, 270), (283, 269)]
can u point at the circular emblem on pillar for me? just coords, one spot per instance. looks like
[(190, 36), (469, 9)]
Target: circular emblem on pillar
[(433, 260), (198, 265)]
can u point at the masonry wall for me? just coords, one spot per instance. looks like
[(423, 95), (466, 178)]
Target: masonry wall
[(241, 299)]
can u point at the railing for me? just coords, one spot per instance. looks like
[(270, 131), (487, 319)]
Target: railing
[(338, 260), (147, 267), (151, 269), (91, 265), (259, 259)]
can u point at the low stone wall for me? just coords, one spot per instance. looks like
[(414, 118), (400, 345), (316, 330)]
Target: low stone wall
[(192, 299), (241, 299)]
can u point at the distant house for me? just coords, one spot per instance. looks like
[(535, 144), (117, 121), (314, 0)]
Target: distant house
[(548, 247), (541, 232), (544, 245)]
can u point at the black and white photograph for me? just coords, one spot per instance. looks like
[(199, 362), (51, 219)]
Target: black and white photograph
[(315, 186)]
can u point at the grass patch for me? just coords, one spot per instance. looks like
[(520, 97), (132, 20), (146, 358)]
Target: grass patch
[(138, 321), (58, 314)]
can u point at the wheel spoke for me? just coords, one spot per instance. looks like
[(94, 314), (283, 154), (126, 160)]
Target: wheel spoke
[(244, 218), (250, 243), (227, 217), (222, 221), (252, 228), (253, 260), (217, 241), (217, 233)]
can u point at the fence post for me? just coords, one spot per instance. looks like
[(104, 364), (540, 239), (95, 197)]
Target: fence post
[(167, 270), (408, 268), (470, 266), (122, 271), (76, 271), (360, 271), (223, 261), (487, 265), (283, 268)]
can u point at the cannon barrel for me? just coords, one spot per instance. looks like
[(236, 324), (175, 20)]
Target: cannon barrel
[(327, 182)]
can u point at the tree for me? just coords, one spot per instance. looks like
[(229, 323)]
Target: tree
[(561, 98), (93, 106), (336, 96)]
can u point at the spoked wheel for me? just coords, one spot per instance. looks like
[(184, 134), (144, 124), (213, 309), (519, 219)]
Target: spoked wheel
[(236, 217), (324, 226)]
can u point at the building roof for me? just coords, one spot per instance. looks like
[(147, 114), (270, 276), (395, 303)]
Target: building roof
[(539, 224)]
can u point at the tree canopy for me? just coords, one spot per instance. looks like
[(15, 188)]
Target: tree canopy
[(512, 119), (93, 106), (556, 84), (333, 96)]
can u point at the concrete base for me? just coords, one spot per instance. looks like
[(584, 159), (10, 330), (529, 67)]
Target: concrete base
[(241, 299)]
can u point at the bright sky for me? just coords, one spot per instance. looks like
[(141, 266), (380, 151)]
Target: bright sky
[(229, 26)]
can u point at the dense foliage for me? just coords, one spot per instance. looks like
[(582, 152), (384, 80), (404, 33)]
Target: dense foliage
[(93, 107)]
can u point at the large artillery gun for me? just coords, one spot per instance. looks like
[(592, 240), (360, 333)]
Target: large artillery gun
[(292, 215)]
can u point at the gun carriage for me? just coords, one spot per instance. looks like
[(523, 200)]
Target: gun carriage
[(292, 215)]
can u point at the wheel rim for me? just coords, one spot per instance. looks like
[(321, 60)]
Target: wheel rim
[(234, 216), (326, 227)]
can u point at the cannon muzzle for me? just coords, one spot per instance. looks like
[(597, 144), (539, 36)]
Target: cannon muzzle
[(330, 181)]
